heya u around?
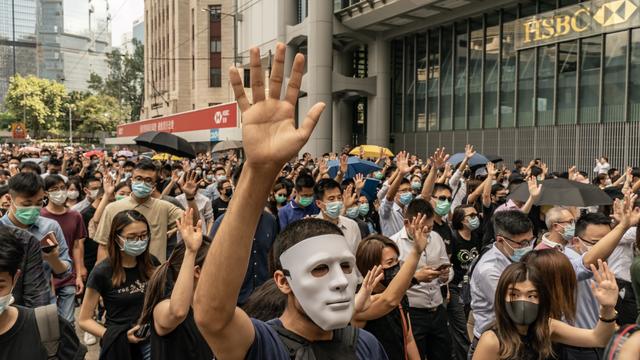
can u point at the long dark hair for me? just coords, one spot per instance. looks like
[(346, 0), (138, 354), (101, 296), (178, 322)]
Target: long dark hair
[(266, 302), (143, 261), (166, 275), (511, 345)]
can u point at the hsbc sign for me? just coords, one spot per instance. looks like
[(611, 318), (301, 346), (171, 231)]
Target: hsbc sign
[(572, 22)]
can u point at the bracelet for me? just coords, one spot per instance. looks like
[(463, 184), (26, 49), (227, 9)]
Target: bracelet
[(614, 318)]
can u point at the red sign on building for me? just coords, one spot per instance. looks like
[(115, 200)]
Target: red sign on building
[(216, 117)]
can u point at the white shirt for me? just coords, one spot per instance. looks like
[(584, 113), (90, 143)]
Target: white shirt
[(350, 230), (601, 168), (205, 210), (426, 294), (459, 187), (391, 217), (622, 256)]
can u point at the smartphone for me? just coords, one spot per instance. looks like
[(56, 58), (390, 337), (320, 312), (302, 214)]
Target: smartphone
[(443, 267), (143, 331), (48, 242)]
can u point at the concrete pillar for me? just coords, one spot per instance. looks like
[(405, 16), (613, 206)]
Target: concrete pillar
[(379, 106), (286, 16), (319, 69), (342, 124)]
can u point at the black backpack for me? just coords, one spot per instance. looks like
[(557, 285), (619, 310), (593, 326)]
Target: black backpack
[(465, 285), (341, 347)]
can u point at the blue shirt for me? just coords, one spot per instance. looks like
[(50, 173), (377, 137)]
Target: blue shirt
[(293, 212), (587, 306), (267, 344), (258, 269), (39, 229)]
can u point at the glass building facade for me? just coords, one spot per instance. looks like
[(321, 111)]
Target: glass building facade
[(567, 101)]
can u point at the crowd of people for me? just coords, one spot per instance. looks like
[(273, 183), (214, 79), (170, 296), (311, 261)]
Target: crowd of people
[(265, 255)]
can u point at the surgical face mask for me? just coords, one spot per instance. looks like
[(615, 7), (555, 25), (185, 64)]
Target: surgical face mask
[(127, 175), (27, 215), (568, 232), (209, 178), (405, 198), (473, 223), (93, 194), (198, 172), (321, 273), (363, 209), (228, 192), (442, 207), (519, 253), (280, 199), (141, 189), (6, 301), (522, 312), (45, 158), (389, 274), (501, 200), (221, 178), (586, 247), (379, 175), (352, 212), (119, 197), (121, 163), (332, 209), (134, 247), (416, 185), (73, 194), (58, 197), (305, 200)]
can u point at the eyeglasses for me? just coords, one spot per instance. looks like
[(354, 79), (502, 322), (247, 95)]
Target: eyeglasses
[(523, 243), (143, 237), (147, 181), (443, 198), (588, 242)]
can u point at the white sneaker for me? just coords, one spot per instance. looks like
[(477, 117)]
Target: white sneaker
[(89, 339)]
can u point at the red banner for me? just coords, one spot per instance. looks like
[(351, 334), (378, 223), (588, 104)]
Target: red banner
[(216, 117)]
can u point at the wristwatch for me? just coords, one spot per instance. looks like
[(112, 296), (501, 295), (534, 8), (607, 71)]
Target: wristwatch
[(614, 318)]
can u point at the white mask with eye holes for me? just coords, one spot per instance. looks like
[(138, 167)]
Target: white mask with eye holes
[(326, 296)]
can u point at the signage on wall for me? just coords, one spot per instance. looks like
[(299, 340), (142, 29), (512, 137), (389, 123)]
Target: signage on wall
[(576, 21)]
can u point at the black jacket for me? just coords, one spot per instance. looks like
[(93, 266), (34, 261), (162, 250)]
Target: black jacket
[(32, 289)]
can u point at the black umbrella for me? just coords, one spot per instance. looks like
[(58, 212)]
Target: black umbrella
[(166, 143), (494, 158), (565, 193)]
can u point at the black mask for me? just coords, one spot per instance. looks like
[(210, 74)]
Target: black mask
[(389, 274), (501, 200), (228, 192)]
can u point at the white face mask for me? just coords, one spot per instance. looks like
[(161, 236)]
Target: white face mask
[(58, 197), (6, 301), (93, 193), (328, 299), (73, 194)]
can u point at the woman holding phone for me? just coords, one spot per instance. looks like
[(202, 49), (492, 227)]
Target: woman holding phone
[(121, 281)]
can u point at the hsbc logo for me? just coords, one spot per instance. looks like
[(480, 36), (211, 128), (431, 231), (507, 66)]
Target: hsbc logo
[(218, 117), (615, 12), (221, 117)]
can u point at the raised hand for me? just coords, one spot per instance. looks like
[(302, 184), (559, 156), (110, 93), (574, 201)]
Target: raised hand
[(439, 158), (109, 184), (469, 152), (627, 215), (420, 231), (534, 189), (190, 186), (359, 181), (371, 280), (344, 163), (604, 287), (573, 172), (192, 236), (348, 197), (323, 166), (402, 162), (491, 170), (269, 134)]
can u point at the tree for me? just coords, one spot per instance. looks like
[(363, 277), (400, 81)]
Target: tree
[(97, 113), (39, 102), (125, 81)]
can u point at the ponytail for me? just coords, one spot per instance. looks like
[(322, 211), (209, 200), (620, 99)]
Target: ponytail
[(161, 283)]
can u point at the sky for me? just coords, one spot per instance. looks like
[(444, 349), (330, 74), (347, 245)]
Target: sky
[(123, 13)]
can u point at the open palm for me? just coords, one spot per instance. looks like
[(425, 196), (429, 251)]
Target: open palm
[(606, 290), (269, 134)]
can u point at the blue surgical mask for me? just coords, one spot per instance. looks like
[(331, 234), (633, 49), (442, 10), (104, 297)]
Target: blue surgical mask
[(141, 189), (416, 185), (442, 207), (134, 247), (569, 232), (363, 209), (45, 158), (406, 198), (333, 209), (352, 212), (473, 223), (519, 253)]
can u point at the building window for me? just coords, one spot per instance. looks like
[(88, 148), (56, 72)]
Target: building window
[(634, 78), (421, 81), (526, 69), (491, 65), (567, 71), (247, 78), (460, 89), (409, 83), (446, 86), (590, 79), (215, 51), (433, 81), (476, 50), (546, 88), (615, 59), (397, 59)]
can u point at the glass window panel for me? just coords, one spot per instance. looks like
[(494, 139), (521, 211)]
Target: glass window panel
[(568, 2), (434, 78), (528, 8), (446, 87), (615, 60), (546, 74), (508, 70), (397, 49), (634, 78), (461, 76), (409, 83), (421, 80), (491, 64), (590, 80), (546, 5), (526, 65), (476, 48), (567, 71)]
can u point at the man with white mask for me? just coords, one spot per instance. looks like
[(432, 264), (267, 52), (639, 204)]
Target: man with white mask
[(316, 269)]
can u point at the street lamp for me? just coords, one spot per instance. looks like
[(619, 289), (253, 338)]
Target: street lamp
[(235, 15), (71, 107)]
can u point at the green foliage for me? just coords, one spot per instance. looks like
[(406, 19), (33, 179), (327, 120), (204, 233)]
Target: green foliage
[(97, 113), (125, 80), (38, 101)]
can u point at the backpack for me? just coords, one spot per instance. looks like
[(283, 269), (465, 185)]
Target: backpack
[(465, 285), (617, 341), (341, 347), (49, 330)]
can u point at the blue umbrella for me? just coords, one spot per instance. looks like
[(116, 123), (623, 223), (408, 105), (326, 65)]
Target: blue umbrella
[(476, 160), (370, 189), (355, 165)]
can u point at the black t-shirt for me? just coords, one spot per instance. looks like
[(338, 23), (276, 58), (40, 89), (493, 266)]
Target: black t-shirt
[(22, 340), (388, 329), (445, 233), (90, 246), (463, 252), (219, 207), (123, 303), (184, 342)]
